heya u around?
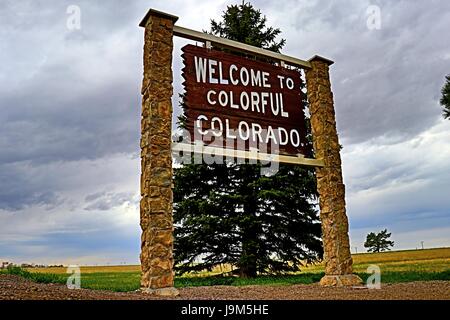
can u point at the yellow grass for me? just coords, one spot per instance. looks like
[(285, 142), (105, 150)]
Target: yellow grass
[(428, 260), (90, 269), (406, 255)]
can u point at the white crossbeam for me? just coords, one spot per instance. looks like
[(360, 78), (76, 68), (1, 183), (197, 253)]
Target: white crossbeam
[(251, 155)]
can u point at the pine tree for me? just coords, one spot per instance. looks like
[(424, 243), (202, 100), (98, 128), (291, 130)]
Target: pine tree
[(445, 99), (378, 242), (231, 213)]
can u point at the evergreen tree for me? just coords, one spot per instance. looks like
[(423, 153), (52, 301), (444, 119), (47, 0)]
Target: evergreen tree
[(445, 99), (378, 242), (232, 214)]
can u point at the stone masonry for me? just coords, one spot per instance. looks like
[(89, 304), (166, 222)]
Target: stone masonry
[(156, 158), (337, 257)]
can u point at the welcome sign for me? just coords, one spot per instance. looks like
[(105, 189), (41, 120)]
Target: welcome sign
[(232, 98), (235, 102)]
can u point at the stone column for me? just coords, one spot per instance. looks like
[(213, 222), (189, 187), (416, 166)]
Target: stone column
[(156, 158), (337, 257)]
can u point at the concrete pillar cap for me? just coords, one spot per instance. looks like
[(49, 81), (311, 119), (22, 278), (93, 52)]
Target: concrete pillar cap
[(319, 58), (156, 13)]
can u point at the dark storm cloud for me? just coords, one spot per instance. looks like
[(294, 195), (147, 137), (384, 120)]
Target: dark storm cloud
[(386, 81), (22, 186), (42, 126), (76, 103), (64, 95)]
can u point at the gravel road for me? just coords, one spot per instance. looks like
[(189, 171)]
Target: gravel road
[(13, 288)]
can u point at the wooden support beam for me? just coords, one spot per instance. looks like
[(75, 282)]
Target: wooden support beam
[(238, 46)]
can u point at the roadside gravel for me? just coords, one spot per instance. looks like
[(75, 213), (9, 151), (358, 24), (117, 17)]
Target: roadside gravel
[(16, 288)]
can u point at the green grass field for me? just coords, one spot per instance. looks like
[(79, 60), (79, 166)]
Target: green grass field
[(396, 266)]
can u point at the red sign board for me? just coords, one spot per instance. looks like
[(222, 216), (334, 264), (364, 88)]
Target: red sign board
[(233, 101)]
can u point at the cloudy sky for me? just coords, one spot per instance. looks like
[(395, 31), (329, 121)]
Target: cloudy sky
[(70, 118)]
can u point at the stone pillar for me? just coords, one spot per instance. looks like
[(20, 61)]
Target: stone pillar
[(337, 257), (157, 275)]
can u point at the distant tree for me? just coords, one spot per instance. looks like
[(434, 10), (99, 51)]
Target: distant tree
[(376, 242), (445, 99)]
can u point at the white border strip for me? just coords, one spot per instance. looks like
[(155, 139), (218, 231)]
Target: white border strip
[(251, 155), (205, 37)]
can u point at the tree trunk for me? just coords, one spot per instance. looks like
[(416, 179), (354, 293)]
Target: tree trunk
[(248, 263), (250, 246), (248, 272)]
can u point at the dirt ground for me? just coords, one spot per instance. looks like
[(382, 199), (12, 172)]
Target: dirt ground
[(16, 288)]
